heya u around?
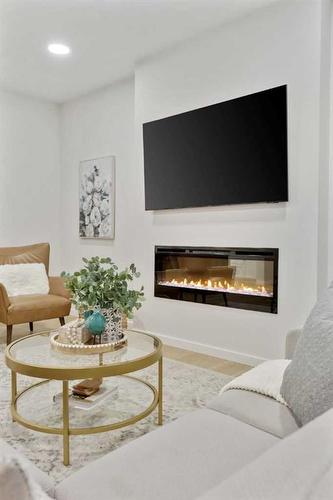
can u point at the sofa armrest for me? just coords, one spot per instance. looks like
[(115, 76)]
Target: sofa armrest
[(291, 341), (57, 287), (4, 303)]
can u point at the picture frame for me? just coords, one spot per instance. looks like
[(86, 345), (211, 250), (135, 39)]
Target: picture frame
[(97, 198)]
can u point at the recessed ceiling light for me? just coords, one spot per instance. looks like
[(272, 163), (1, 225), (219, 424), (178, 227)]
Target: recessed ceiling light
[(59, 49)]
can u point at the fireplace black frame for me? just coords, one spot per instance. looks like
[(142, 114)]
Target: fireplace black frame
[(225, 299)]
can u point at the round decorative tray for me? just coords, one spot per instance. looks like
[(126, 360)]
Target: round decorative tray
[(83, 349)]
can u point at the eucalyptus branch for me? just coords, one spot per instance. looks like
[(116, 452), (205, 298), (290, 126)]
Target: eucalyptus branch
[(99, 284)]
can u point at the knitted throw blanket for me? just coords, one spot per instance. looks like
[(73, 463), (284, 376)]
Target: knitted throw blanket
[(265, 379)]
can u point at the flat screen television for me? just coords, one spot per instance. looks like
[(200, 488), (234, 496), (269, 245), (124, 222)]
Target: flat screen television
[(229, 153)]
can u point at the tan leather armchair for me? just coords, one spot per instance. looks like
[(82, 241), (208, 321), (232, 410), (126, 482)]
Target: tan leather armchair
[(30, 308)]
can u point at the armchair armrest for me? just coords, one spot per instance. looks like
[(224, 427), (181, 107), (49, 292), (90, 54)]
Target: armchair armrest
[(57, 287), (4, 303)]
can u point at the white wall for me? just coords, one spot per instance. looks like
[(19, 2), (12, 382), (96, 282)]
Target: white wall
[(330, 141), (324, 223), (29, 173), (275, 46), (99, 125)]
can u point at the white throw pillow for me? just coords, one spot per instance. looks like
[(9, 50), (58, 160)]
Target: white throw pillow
[(24, 279), (16, 484)]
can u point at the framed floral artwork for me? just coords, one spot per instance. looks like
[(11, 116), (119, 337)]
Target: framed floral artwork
[(97, 193)]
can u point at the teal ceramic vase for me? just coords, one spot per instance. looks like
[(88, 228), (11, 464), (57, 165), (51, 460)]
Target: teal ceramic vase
[(95, 322)]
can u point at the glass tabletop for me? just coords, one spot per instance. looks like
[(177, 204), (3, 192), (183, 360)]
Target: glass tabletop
[(127, 397), (35, 351)]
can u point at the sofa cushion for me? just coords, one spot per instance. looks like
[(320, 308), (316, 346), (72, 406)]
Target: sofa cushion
[(299, 467), (262, 412), (7, 452), (307, 384), (180, 460), (37, 307)]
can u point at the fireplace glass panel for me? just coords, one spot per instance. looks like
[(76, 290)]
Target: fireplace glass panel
[(243, 278)]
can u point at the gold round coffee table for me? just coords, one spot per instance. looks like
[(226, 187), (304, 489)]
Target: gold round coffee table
[(38, 407)]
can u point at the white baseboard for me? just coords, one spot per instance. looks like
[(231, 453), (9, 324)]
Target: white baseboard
[(211, 350)]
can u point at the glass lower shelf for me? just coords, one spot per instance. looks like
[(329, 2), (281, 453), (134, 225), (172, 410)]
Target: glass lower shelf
[(126, 398)]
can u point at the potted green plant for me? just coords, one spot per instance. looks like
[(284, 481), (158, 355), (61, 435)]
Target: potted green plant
[(100, 286)]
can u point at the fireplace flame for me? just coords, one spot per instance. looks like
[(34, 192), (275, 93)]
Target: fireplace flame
[(219, 286)]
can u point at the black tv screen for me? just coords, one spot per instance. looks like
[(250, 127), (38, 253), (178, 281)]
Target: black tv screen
[(228, 153)]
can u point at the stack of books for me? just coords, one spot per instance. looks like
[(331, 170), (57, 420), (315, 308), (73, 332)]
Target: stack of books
[(89, 402)]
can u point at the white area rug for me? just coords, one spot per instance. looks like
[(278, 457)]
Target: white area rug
[(186, 387)]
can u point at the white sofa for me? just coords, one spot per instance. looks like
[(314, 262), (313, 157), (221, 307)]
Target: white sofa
[(188, 458)]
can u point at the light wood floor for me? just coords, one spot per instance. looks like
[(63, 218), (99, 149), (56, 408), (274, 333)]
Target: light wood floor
[(205, 361), (202, 360)]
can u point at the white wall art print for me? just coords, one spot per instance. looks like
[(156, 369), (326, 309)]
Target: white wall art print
[(97, 192)]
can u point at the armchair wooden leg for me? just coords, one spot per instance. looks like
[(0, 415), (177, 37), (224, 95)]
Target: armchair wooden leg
[(31, 326), (9, 333), (62, 320)]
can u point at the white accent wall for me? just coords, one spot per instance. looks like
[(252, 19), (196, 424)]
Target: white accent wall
[(99, 125), (275, 46), (279, 45), (29, 173)]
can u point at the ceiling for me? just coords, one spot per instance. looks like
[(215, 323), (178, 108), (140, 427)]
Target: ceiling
[(107, 38)]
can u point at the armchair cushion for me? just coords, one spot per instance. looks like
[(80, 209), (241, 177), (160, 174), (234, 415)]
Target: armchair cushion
[(24, 279), (33, 307), (25, 308), (40, 252)]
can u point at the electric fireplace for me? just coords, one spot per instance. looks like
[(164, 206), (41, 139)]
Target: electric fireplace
[(243, 278)]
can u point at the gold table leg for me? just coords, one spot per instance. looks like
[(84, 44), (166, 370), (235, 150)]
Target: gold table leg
[(65, 417), (160, 391), (14, 389)]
